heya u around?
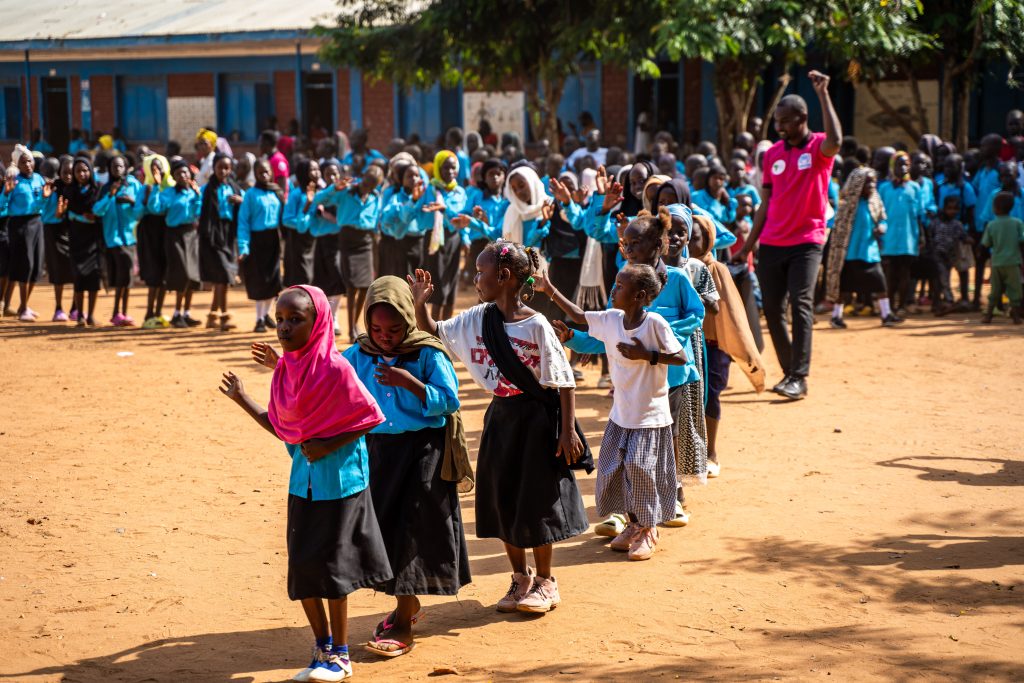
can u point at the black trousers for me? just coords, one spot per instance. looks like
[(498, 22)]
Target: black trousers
[(790, 273), (897, 277)]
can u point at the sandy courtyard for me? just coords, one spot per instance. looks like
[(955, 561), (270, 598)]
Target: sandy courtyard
[(872, 531)]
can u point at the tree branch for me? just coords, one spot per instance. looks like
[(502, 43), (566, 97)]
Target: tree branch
[(900, 118), (784, 81)]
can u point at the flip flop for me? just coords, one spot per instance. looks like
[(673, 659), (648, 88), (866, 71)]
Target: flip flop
[(387, 622), (377, 647)]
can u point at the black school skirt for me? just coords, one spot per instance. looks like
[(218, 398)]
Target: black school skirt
[(419, 515), (400, 257), (524, 494), (150, 243), (4, 247), (215, 253), (298, 257), (327, 265), (356, 257), (119, 266), (25, 248), (181, 246), (57, 240), (262, 267), (861, 277), (87, 249), (334, 547), (444, 267)]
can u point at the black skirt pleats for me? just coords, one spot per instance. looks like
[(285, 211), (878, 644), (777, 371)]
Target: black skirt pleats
[(356, 257), (262, 267), (298, 257), (25, 248), (419, 515), (334, 547), (401, 257), (524, 494), (87, 249), (57, 241), (327, 265), (216, 254), (120, 261), (181, 247), (152, 257), (861, 277)]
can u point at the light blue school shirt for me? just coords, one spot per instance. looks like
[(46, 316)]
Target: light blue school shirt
[(681, 307), (968, 198), (405, 218), (49, 212), (26, 199), (985, 181), (43, 147), (454, 203), (988, 214), (465, 167), (225, 209), (368, 157), (362, 213), (494, 206), (833, 198), (746, 189), (293, 215), (339, 474), (863, 245), (721, 213), (928, 207), (180, 208), (119, 219), (403, 410), (903, 216), (142, 201), (260, 211), (76, 146)]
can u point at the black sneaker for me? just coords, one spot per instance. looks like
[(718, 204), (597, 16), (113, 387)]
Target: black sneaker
[(891, 320), (269, 322), (261, 326), (777, 389), (837, 323), (987, 318), (190, 321), (178, 321), (795, 389)]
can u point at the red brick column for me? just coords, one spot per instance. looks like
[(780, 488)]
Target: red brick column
[(102, 97), (614, 104), (379, 112), (190, 85), (284, 98)]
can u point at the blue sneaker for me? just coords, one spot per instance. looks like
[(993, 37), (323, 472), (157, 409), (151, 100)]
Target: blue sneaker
[(319, 657), (333, 667)]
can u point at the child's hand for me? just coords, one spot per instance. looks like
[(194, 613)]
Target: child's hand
[(613, 197), (342, 183), (563, 331), (547, 211), (157, 175), (114, 187), (601, 180), (621, 223), (265, 355), (392, 377), (481, 215), (580, 196), (434, 206), (417, 191), (569, 446), (47, 190), (314, 449), (634, 351), (235, 199), (421, 286), (231, 386), (461, 221), (541, 284), (560, 191), (9, 184)]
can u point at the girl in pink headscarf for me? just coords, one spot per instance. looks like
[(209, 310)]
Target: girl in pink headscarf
[(321, 410)]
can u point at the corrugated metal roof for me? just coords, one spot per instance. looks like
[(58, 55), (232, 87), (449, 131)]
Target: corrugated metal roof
[(98, 19)]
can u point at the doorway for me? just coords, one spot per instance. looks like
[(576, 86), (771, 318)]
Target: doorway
[(661, 99), (318, 98), (56, 112)]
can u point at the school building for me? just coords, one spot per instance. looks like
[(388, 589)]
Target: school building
[(160, 71)]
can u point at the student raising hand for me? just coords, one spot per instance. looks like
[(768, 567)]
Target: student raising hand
[(421, 286), (461, 221), (541, 284), (9, 184), (481, 215), (231, 386), (265, 355), (601, 180), (342, 182), (47, 190), (612, 197), (560, 191), (547, 211)]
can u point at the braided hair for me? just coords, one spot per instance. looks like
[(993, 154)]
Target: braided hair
[(522, 262), (659, 226), (646, 278)]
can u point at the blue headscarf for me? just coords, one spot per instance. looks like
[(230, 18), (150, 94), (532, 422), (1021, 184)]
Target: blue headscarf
[(683, 213)]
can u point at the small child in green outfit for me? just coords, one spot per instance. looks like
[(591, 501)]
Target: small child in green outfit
[(1004, 236)]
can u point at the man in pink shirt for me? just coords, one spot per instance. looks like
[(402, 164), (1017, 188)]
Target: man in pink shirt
[(790, 228)]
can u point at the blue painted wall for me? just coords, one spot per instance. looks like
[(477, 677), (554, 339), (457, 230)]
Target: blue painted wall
[(142, 107)]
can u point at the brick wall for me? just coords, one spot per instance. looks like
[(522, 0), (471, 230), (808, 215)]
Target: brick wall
[(102, 91), (76, 102), (614, 105), (343, 91), (284, 98), (33, 107), (379, 112), (190, 85)]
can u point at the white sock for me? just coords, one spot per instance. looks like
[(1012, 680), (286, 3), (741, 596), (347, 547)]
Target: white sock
[(187, 313), (259, 310), (837, 311), (883, 307), (177, 312), (334, 301), (267, 305)]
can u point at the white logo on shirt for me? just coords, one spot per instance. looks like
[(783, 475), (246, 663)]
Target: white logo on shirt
[(778, 167), (804, 162)]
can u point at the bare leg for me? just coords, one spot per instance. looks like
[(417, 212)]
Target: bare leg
[(188, 298), (339, 620), (8, 294), (23, 292), (542, 556), (179, 297), (360, 302), (117, 300), (314, 608), (712, 426), (516, 557), (160, 294), (124, 300), (58, 295), (401, 626), (92, 307), (350, 306)]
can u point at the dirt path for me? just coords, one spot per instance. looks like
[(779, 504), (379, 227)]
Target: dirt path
[(872, 531)]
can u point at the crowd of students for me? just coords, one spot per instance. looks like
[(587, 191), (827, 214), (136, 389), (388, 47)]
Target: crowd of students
[(641, 261)]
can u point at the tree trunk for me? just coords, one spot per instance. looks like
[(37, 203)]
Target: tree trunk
[(946, 106), (784, 81), (735, 87), (963, 114), (542, 108), (915, 92), (904, 122)]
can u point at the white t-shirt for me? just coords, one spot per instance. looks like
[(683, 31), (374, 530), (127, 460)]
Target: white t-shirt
[(534, 342), (641, 389)]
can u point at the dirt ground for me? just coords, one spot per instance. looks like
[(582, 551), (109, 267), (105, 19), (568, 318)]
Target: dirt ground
[(871, 532)]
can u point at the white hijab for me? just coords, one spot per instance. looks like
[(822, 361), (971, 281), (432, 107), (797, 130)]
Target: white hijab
[(519, 211), (18, 152)]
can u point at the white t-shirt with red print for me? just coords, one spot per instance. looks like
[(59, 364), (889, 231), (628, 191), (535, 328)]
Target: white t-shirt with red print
[(533, 339)]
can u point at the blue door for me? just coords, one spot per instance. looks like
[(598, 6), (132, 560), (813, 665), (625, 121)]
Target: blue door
[(142, 107)]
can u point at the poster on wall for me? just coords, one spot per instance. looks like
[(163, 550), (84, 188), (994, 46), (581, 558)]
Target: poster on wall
[(505, 111), (873, 127)]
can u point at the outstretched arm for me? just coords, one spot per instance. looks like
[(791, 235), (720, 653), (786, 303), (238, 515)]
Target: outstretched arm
[(422, 288), (575, 313), (231, 386), (833, 129)]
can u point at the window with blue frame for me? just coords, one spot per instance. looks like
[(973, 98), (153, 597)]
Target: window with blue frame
[(142, 107), (10, 112), (245, 102)]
